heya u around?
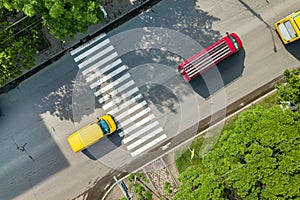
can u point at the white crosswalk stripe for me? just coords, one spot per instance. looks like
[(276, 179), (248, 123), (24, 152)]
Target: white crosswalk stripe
[(99, 55), (118, 95), (125, 104), (121, 134), (138, 124), (95, 57), (103, 70), (87, 44), (143, 139), (91, 50), (149, 145), (120, 99), (116, 91), (131, 110), (98, 64), (140, 132), (109, 76), (112, 84), (135, 117)]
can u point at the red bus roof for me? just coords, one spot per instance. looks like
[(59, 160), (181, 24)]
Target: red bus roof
[(210, 56)]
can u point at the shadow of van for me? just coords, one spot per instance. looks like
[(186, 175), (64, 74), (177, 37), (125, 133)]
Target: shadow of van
[(218, 77), (294, 49), (103, 146)]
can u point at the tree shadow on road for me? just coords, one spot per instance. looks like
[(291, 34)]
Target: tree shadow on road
[(69, 100), (167, 35), (183, 16)]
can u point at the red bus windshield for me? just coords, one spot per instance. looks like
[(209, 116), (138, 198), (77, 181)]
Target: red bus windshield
[(210, 56)]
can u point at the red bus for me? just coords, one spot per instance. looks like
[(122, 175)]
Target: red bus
[(210, 56)]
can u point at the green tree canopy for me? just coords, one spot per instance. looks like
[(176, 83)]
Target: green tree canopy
[(64, 18), (257, 159), (18, 45), (290, 91)]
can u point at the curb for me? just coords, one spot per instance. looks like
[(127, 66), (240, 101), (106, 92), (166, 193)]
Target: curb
[(106, 28)]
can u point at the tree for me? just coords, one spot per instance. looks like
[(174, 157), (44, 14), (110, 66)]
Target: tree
[(257, 159), (18, 44), (63, 18), (291, 90)]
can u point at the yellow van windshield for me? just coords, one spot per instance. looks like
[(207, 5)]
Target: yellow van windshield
[(104, 126)]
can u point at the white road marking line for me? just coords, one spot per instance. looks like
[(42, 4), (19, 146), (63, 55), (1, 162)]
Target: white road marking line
[(148, 145), (108, 76), (119, 99), (103, 70), (143, 139), (91, 50), (112, 84), (135, 117), (131, 110), (92, 41), (121, 134), (96, 56), (126, 104), (117, 91), (138, 124), (100, 63), (140, 132)]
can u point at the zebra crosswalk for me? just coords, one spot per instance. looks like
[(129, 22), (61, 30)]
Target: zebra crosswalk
[(118, 94)]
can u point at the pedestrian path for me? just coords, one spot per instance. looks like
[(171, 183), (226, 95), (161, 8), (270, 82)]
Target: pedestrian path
[(159, 173), (118, 95)]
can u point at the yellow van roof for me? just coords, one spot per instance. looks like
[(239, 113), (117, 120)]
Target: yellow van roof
[(90, 134), (75, 142), (85, 137)]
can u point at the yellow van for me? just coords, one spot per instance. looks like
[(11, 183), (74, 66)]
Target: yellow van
[(92, 133), (288, 28)]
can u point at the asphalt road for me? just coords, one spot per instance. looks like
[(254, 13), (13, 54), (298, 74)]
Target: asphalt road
[(45, 109)]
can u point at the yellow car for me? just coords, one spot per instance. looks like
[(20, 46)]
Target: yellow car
[(92, 133), (288, 28)]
